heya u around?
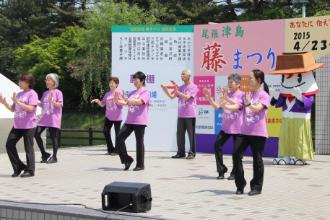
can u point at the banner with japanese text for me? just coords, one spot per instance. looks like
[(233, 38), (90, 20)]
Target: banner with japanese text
[(211, 52), (161, 52), (239, 47), (221, 49), (308, 34)]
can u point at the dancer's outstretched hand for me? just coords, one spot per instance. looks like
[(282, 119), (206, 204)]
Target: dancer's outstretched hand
[(50, 97), (225, 92), (2, 99), (97, 101), (247, 98), (175, 84), (163, 87), (14, 98)]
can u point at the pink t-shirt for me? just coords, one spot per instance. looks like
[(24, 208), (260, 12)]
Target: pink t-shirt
[(50, 115), (138, 114), (187, 108), (254, 123), (232, 120), (113, 111), (24, 119)]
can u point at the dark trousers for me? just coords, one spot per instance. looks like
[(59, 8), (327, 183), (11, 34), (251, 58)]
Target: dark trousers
[(54, 136), (124, 133), (221, 139), (107, 134), (186, 124), (14, 136), (257, 145)]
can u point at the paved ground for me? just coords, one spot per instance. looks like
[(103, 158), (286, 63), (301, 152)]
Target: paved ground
[(181, 189)]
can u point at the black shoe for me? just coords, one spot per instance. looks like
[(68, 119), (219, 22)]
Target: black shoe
[(190, 156), (112, 152), (27, 174), (138, 168), (178, 156), (128, 164), (18, 172), (231, 177), (45, 157), (222, 173), (239, 191), (254, 192), (221, 176), (52, 160)]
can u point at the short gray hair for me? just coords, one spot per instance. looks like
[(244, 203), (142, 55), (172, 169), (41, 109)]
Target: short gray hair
[(54, 77), (187, 71), (235, 77)]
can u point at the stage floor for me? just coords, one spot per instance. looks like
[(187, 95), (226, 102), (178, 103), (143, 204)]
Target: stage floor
[(181, 189)]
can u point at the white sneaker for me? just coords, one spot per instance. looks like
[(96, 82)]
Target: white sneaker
[(300, 162), (275, 161), (281, 161)]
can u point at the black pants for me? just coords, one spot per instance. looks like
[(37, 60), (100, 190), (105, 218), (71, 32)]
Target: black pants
[(257, 144), (186, 124), (124, 133), (14, 136), (54, 136), (221, 139), (107, 134)]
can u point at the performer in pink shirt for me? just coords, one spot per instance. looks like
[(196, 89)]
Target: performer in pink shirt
[(232, 104), (51, 117), (253, 133), (113, 113), (24, 106), (137, 120), (186, 94)]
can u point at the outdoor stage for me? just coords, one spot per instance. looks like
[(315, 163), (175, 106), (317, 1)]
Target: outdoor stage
[(181, 189)]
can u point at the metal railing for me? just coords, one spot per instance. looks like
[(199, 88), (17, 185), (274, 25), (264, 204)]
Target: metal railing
[(78, 137)]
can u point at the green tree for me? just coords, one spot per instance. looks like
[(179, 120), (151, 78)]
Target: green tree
[(277, 9), (92, 61), (204, 11), (20, 20), (82, 56), (43, 56), (185, 12)]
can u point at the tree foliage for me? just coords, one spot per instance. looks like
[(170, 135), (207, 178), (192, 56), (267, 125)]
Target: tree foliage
[(21, 20), (204, 11), (43, 56), (73, 37), (93, 58)]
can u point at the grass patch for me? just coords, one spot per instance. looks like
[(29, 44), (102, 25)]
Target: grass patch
[(82, 120)]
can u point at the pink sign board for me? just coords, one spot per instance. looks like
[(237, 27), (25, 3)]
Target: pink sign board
[(221, 49), (204, 82)]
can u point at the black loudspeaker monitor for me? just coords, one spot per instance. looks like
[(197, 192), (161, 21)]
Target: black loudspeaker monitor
[(125, 196)]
